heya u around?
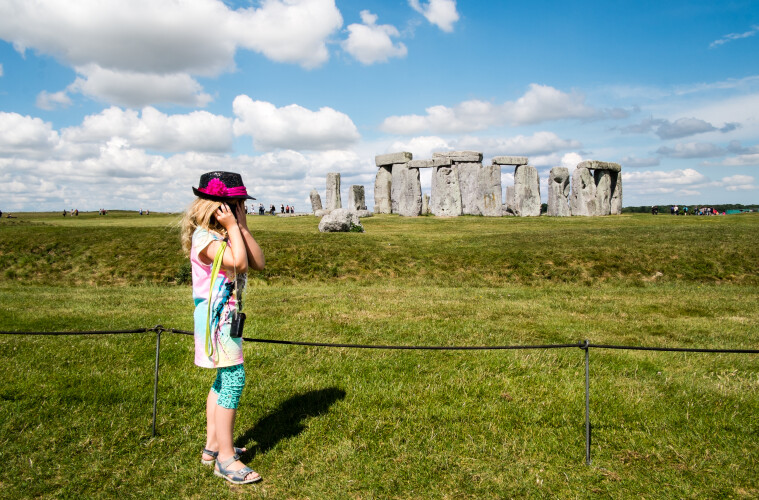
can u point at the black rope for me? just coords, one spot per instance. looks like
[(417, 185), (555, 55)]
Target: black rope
[(93, 332), (674, 349), (581, 345)]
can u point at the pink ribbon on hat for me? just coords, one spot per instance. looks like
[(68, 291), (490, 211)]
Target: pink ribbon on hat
[(217, 187)]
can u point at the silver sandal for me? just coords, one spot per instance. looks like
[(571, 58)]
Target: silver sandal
[(235, 476), (214, 454)]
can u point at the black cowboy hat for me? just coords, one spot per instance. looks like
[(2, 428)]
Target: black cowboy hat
[(221, 186)]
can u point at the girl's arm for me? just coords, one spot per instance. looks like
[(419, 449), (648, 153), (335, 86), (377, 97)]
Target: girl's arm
[(256, 258), (235, 257)]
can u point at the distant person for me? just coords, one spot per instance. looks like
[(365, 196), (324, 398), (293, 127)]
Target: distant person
[(1, 214), (140, 211), (215, 234), (282, 208), (64, 212), (260, 209), (76, 212), (292, 209)]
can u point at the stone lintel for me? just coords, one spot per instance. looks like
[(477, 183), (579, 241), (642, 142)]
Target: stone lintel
[(510, 160), (600, 165), (392, 158), (460, 156), (435, 162)]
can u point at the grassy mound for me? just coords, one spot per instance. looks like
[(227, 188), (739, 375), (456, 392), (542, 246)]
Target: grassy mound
[(75, 412)]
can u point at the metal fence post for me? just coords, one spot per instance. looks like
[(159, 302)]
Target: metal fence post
[(586, 347), (158, 329)]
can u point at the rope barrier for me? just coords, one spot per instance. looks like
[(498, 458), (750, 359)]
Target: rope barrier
[(584, 345)]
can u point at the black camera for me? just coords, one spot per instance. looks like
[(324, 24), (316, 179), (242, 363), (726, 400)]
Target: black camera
[(235, 328)]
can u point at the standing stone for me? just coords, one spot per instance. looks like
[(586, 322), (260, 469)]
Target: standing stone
[(602, 178), (382, 187), (333, 191), (409, 193), (490, 192), (509, 200), (356, 198), (582, 200), (616, 193), (316, 200), (398, 172), (426, 204), (445, 197), (470, 188), (558, 192), (526, 191)]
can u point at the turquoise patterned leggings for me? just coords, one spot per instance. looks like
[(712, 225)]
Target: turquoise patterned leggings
[(228, 385)]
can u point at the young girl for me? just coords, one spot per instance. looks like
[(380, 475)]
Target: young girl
[(217, 216)]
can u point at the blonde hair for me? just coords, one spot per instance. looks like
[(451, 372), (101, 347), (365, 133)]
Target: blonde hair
[(199, 214)]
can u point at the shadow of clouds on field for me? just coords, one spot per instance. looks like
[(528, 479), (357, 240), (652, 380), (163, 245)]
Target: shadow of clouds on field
[(287, 420)]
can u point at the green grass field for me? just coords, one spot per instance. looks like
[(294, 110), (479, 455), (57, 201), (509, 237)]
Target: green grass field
[(75, 411)]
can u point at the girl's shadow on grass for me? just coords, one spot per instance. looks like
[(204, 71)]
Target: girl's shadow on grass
[(287, 420)]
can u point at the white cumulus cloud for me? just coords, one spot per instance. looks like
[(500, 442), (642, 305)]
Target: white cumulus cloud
[(370, 43), (292, 127), (540, 103), (156, 46), (441, 13)]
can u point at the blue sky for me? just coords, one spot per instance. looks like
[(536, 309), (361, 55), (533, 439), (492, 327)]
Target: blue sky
[(123, 105)]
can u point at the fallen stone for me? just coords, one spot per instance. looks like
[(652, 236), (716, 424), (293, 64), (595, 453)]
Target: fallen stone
[(490, 191), (510, 160), (333, 191), (470, 188), (526, 191), (445, 196), (558, 192), (382, 187), (600, 165), (460, 156), (364, 213), (356, 198), (616, 193), (582, 199), (602, 178), (340, 220), (409, 193), (316, 200), (321, 213), (392, 158)]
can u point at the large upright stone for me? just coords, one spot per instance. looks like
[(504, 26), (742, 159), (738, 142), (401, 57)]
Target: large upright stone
[(425, 204), (558, 192), (398, 172), (316, 200), (490, 191), (445, 196), (582, 200), (470, 187), (602, 178), (392, 159), (409, 193), (509, 201), (356, 198), (616, 193), (526, 191), (333, 191), (382, 186)]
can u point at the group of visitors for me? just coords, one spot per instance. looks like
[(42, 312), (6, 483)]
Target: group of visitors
[(145, 212), (74, 212), (285, 209), (684, 210)]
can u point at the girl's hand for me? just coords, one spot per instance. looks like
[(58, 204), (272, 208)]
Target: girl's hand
[(242, 221), (225, 216)]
